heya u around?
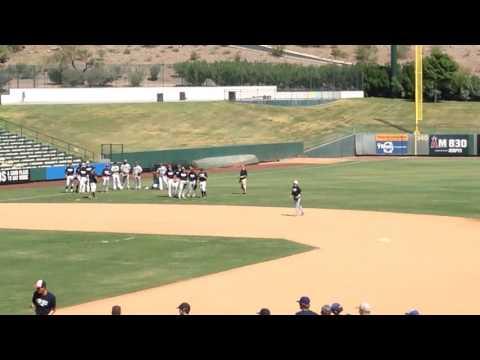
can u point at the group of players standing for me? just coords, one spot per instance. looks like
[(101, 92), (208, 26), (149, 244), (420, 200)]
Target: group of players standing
[(179, 181)]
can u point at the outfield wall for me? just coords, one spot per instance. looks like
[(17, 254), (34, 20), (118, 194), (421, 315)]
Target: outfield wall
[(166, 94), (264, 152)]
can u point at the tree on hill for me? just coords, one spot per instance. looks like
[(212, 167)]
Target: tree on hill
[(366, 54)]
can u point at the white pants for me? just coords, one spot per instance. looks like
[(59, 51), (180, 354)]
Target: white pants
[(163, 180), (175, 188), (138, 182), (203, 186), (170, 187), (106, 182), (93, 187), (182, 189), (244, 184), (191, 189), (116, 182), (69, 181), (126, 180), (298, 206), (83, 184)]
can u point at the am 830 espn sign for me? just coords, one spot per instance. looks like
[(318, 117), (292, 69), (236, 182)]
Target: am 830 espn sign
[(450, 145), (14, 176)]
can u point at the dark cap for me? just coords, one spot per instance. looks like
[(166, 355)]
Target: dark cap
[(336, 308), (185, 307), (412, 312), (116, 310), (264, 311), (326, 310), (304, 300)]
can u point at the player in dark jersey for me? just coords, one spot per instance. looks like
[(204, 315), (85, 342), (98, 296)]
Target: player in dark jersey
[(202, 179), (69, 177), (182, 187), (77, 177), (297, 198), (192, 183), (92, 181), (243, 179), (106, 175), (83, 179), (170, 175), (43, 301)]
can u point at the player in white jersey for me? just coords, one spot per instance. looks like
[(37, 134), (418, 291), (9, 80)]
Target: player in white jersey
[(106, 174), (116, 177), (125, 170), (137, 175), (162, 177), (182, 186)]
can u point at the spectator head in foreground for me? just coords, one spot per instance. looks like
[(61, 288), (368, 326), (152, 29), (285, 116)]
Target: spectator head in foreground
[(412, 312), (326, 310), (116, 310), (336, 309), (264, 311), (43, 301), (304, 304), (364, 309), (184, 309)]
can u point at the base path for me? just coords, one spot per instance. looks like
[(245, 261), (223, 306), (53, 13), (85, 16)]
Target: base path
[(393, 261)]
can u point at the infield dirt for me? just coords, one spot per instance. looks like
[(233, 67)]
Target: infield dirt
[(393, 261)]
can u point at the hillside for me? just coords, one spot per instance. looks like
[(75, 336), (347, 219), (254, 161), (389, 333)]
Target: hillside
[(171, 125)]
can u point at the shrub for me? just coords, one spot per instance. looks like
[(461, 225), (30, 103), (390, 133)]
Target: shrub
[(154, 71), (175, 49), (338, 54), (98, 76), (55, 75), (278, 50), (71, 77), (4, 79), (136, 77), (366, 54), (116, 71), (4, 52), (237, 56), (126, 51), (402, 51)]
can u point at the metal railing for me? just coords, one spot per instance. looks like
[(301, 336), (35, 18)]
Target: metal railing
[(38, 136)]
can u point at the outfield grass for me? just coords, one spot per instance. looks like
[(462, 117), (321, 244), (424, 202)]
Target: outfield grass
[(423, 186), (80, 267), (174, 125)]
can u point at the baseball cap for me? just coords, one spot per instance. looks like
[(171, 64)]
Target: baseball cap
[(326, 310), (365, 307), (264, 311), (184, 307), (304, 300), (336, 308), (295, 182), (412, 312), (40, 284)]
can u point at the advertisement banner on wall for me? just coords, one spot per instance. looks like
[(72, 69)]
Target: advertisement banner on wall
[(14, 176), (391, 144), (449, 145)]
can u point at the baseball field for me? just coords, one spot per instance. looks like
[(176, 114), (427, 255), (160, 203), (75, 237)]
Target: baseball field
[(397, 233)]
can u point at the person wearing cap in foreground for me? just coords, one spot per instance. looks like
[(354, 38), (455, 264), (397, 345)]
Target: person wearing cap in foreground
[(304, 304), (43, 301), (412, 312), (364, 309), (264, 311), (336, 309), (184, 309), (297, 198), (326, 310), (116, 310)]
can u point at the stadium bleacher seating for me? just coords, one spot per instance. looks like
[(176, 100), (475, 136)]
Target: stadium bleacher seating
[(18, 152)]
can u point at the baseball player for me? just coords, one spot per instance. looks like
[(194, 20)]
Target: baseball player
[(170, 175), (125, 170), (192, 183), (182, 187), (69, 177), (243, 179), (83, 179), (92, 181), (43, 301), (175, 183), (106, 174), (77, 178), (137, 175), (89, 169), (162, 176), (202, 180), (116, 177), (297, 198), (304, 304)]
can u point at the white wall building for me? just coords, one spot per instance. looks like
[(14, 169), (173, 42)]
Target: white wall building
[(159, 94)]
